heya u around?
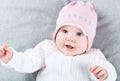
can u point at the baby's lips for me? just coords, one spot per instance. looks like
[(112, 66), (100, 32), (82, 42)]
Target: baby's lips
[(69, 46)]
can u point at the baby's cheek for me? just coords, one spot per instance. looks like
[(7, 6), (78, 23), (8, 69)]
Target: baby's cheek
[(81, 48)]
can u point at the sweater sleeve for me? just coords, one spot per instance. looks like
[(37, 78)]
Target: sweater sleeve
[(100, 60), (31, 60)]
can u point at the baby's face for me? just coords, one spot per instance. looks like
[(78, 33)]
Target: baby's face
[(71, 41)]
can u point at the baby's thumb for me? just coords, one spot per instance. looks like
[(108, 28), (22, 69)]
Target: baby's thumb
[(3, 50), (5, 47)]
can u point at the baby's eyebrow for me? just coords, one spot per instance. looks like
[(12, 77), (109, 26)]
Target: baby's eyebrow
[(80, 31), (63, 29)]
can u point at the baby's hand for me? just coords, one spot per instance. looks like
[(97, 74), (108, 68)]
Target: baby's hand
[(99, 72), (5, 53)]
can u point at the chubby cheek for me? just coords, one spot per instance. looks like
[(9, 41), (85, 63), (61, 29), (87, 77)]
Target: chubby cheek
[(82, 45), (59, 42)]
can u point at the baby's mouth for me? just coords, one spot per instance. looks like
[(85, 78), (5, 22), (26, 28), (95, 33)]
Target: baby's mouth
[(69, 46)]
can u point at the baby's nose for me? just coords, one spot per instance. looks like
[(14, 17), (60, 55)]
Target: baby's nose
[(70, 39)]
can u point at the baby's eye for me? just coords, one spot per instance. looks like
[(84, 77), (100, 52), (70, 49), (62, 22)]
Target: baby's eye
[(79, 33), (64, 31)]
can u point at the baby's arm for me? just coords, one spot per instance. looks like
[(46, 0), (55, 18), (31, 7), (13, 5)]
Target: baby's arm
[(103, 67), (25, 62), (6, 53), (28, 61)]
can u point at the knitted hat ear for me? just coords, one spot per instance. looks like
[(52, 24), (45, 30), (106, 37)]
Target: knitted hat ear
[(73, 3), (80, 15), (90, 6)]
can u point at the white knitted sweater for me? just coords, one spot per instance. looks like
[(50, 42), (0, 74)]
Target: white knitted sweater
[(55, 66)]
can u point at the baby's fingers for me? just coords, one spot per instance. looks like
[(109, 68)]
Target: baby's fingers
[(1, 53), (95, 69), (99, 72), (3, 49), (102, 75)]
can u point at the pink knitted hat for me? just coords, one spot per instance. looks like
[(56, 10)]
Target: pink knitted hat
[(81, 15)]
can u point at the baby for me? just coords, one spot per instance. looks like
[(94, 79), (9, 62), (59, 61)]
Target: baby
[(69, 56)]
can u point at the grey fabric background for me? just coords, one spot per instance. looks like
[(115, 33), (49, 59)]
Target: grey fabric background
[(24, 23)]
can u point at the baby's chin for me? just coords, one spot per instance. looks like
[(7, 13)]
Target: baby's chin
[(72, 54)]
